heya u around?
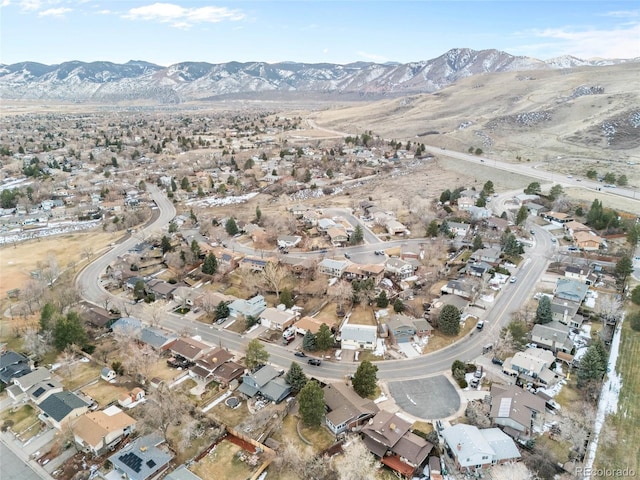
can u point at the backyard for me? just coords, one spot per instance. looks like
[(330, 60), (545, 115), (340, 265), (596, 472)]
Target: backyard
[(224, 461)]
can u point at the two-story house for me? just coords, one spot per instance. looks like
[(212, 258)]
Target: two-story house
[(268, 382), (516, 409), (346, 409), (97, 432)]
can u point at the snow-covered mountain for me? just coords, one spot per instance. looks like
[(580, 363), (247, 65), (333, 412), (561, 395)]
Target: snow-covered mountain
[(190, 81)]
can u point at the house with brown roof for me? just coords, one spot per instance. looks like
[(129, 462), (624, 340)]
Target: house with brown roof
[(588, 241), (337, 235), (208, 368), (132, 398), (189, 348), (309, 324), (357, 271), (277, 319), (346, 409), (97, 432), (389, 437), (516, 409), (557, 218)]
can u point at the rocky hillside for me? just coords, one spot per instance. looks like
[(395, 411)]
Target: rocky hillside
[(194, 81)]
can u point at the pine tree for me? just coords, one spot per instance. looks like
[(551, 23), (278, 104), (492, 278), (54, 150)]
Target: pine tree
[(449, 321), (522, 215), (365, 379), (210, 264), (255, 354), (311, 404), (309, 342), (286, 299), (231, 226), (324, 338), (592, 366), (543, 312), (296, 377), (382, 301)]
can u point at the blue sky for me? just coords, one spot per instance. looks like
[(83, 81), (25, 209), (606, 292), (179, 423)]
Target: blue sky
[(310, 31)]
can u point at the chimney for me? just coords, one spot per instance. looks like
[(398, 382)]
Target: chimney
[(459, 446)]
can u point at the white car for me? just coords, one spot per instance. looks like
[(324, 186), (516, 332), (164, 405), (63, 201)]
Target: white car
[(513, 279)]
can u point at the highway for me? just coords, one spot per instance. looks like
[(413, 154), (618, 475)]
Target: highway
[(508, 301)]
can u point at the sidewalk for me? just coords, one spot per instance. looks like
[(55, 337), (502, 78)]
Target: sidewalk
[(17, 449)]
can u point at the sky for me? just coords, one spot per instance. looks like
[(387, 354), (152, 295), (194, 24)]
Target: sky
[(311, 31)]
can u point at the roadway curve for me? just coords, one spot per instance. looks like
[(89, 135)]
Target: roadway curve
[(508, 301)]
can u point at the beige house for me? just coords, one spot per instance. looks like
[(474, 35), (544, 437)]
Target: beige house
[(96, 432), (276, 319)]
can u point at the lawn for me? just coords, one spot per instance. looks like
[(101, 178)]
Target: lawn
[(20, 419), (438, 340), (320, 437), (618, 446), (79, 374), (104, 392), (362, 315), (230, 416), (223, 462), (559, 449)]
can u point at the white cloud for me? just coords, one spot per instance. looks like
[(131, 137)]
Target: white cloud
[(5, 3), (623, 14), (30, 5), (54, 12), (181, 17), (373, 57)]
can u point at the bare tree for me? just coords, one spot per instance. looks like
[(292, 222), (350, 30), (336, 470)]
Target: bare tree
[(153, 313), (36, 343), (356, 462), (139, 360), (32, 294), (163, 409), (340, 292), (274, 274)]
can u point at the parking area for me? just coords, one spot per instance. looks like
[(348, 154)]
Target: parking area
[(427, 398)]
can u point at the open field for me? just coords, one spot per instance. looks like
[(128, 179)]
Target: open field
[(78, 374), (362, 315), (619, 440), (67, 250), (103, 392)]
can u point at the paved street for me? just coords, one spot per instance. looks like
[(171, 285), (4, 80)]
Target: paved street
[(428, 398)]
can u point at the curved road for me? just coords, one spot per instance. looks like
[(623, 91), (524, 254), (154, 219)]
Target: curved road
[(508, 301)]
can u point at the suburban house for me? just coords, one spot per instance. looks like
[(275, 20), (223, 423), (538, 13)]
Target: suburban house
[(461, 288), (496, 223), (400, 269), (309, 324), (288, 241), (516, 410), (489, 255), (40, 391), (346, 409), (394, 227), (337, 235), (531, 365), (354, 337), (571, 290), (132, 398), (127, 326), (479, 213), (13, 365), (564, 311), (98, 316), (403, 327), (358, 271), (182, 473), (476, 269), (333, 268), (389, 437), (459, 229), (97, 432), (553, 336), (247, 308), (21, 384), (58, 408), (464, 203), (189, 348), (256, 264), (107, 374), (476, 449), (156, 338), (574, 227), (587, 241), (161, 289), (216, 366), (576, 272), (277, 319), (536, 209), (142, 459), (186, 296), (268, 382), (557, 218)]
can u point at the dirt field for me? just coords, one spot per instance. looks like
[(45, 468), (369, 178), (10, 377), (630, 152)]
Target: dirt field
[(68, 251), (223, 462)]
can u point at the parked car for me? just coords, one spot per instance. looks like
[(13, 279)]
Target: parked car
[(314, 361), (346, 255), (221, 320), (478, 373), (300, 354), (496, 361), (480, 325), (379, 252), (513, 279), (474, 382)]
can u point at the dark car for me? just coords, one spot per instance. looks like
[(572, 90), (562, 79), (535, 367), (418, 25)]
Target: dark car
[(314, 361), (300, 354), (496, 360)]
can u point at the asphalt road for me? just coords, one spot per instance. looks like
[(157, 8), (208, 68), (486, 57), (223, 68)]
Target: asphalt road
[(508, 301)]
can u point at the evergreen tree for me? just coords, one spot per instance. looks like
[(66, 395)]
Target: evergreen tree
[(477, 242), (185, 185), (296, 377), (311, 404), (543, 312), (381, 300), (285, 298), (533, 188), (222, 310), (624, 268), (488, 188), (195, 249), (165, 244), (47, 315), (324, 338), (522, 215), (432, 229), (635, 295), (398, 305), (357, 236), (258, 214), (69, 330), (210, 264), (174, 187), (365, 379), (139, 291), (449, 321), (309, 342), (592, 366), (231, 226)]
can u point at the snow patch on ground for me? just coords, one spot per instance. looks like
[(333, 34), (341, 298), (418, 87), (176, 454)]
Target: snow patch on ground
[(57, 228), (221, 201), (380, 348)]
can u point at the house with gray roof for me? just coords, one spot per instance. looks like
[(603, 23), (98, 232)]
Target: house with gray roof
[(552, 336), (333, 268), (156, 338), (477, 449), (564, 311), (400, 269), (355, 337), (516, 409), (61, 407), (182, 473), (21, 384), (401, 327), (571, 290), (13, 365), (244, 308), (142, 459), (266, 381), (40, 391), (128, 326), (345, 408)]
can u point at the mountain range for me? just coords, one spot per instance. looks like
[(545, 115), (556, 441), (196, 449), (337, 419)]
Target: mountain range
[(98, 82)]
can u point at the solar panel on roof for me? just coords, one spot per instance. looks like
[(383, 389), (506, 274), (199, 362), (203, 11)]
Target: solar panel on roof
[(38, 392), (131, 460), (151, 464), (505, 407)]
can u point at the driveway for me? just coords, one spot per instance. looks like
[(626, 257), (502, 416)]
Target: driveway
[(428, 398)]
